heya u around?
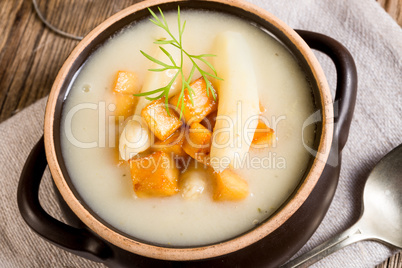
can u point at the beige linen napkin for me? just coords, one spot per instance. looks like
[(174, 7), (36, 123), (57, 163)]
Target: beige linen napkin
[(374, 40)]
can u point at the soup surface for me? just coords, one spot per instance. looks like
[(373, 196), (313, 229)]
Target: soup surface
[(89, 143)]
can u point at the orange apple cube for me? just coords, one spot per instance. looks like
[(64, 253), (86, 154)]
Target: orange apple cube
[(172, 145), (159, 121), (154, 175), (124, 88), (204, 102), (124, 105), (198, 142), (126, 82), (264, 136), (228, 186)]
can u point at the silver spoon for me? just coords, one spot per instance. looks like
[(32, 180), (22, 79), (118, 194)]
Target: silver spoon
[(381, 217)]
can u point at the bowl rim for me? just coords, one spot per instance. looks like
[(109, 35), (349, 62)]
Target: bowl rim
[(217, 249)]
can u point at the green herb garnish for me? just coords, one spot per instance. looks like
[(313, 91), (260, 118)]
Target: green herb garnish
[(177, 42)]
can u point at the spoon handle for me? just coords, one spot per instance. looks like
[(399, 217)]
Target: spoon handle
[(351, 235)]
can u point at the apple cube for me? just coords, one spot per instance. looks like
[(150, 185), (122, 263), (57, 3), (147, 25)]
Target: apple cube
[(159, 121), (228, 186), (154, 175), (126, 83), (264, 136), (204, 102), (172, 145), (198, 142)]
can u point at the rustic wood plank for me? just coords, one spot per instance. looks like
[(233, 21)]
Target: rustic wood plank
[(394, 8), (17, 61), (393, 262), (31, 54)]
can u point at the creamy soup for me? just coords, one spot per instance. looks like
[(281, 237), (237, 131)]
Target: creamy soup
[(89, 144)]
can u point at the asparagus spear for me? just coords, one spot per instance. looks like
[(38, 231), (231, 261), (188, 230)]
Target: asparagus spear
[(238, 107)]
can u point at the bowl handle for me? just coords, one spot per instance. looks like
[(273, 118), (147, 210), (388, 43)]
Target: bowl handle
[(78, 241), (346, 86)]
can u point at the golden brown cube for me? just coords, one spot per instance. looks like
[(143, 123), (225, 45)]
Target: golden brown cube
[(264, 136), (198, 142), (228, 186), (124, 88), (204, 102), (126, 82), (154, 175), (124, 105), (172, 145), (159, 121)]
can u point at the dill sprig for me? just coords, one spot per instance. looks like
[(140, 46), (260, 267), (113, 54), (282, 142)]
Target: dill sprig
[(178, 43)]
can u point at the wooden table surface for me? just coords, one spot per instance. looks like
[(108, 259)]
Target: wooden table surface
[(31, 54)]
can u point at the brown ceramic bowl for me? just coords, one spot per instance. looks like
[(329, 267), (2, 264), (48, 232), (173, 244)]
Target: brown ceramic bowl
[(92, 246)]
